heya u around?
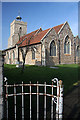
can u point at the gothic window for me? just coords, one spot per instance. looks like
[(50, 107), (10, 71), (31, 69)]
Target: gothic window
[(8, 55), (33, 54), (52, 49), (67, 45), (20, 30), (77, 51), (13, 55)]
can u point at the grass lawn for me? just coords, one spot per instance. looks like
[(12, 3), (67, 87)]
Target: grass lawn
[(67, 73)]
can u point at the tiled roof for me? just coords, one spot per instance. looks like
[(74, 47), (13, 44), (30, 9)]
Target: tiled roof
[(33, 38), (26, 37), (57, 28)]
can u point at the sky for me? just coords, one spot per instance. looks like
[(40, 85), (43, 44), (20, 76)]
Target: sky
[(39, 14)]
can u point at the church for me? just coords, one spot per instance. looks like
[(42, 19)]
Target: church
[(53, 46)]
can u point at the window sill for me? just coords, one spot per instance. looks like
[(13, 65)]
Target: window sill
[(53, 56), (67, 54)]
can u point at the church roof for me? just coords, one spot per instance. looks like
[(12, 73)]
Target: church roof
[(57, 28), (23, 40), (35, 36)]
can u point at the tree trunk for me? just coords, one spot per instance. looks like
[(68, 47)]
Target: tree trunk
[(23, 65)]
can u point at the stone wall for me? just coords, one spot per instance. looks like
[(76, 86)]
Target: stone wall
[(60, 56), (66, 58), (8, 58), (42, 53), (28, 59), (76, 45), (14, 32), (51, 60)]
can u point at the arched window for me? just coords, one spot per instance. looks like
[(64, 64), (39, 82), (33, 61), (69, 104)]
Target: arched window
[(67, 45), (52, 49), (78, 51), (8, 55), (33, 54), (20, 30), (13, 55)]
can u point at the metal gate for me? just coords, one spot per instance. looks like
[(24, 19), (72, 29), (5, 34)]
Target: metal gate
[(56, 98)]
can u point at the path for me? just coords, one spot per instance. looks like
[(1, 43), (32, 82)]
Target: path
[(72, 104)]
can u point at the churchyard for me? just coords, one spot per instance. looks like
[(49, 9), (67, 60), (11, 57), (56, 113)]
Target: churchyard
[(67, 73)]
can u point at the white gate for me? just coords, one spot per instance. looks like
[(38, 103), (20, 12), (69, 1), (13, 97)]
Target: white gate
[(56, 98)]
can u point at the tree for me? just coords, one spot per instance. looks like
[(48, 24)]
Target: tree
[(24, 53)]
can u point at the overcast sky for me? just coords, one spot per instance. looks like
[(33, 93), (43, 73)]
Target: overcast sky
[(38, 14)]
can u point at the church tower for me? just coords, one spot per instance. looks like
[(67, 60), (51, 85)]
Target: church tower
[(18, 28)]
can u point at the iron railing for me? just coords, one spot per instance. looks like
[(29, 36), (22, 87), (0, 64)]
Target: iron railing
[(57, 98)]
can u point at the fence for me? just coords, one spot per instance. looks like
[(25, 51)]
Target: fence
[(56, 99)]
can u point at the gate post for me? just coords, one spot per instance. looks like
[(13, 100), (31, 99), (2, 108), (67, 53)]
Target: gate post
[(57, 98), (60, 100), (2, 98), (57, 103)]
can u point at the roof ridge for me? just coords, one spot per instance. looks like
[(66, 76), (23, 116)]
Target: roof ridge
[(36, 37), (46, 33), (44, 30), (39, 29), (52, 27), (29, 33), (33, 31), (59, 25), (62, 27)]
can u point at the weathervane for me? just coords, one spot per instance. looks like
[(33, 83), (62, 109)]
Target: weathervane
[(18, 17)]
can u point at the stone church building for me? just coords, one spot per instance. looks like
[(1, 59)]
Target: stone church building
[(56, 45)]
